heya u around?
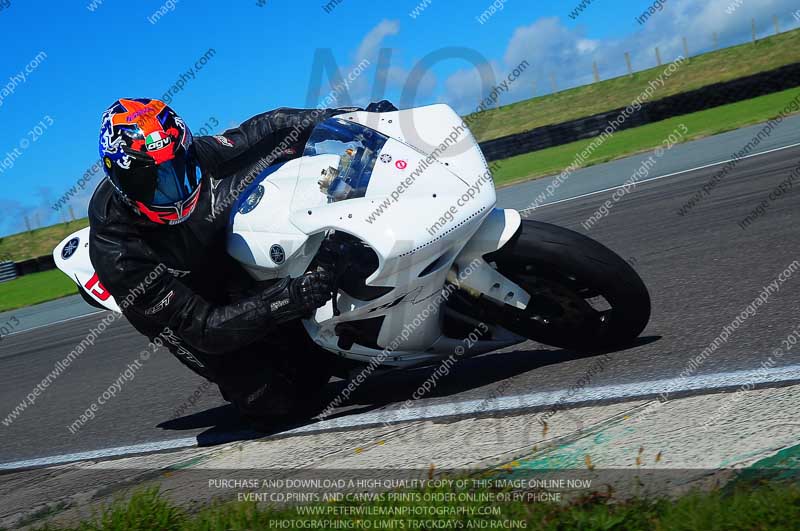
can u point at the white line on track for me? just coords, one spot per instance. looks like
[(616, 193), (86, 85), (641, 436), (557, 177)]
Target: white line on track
[(119, 451), (588, 194), (56, 323), (562, 398), (701, 382)]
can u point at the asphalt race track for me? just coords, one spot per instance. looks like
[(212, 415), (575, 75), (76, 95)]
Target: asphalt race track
[(702, 270)]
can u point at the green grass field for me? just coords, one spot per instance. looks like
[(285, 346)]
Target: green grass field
[(35, 288), (624, 143), (702, 70), (773, 507)]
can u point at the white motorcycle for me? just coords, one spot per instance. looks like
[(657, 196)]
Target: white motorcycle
[(403, 206)]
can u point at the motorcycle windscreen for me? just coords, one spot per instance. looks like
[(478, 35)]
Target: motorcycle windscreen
[(358, 148)]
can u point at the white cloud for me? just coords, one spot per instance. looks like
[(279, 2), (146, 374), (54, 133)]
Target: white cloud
[(466, 88), (373, 41), (362, 90), (586, 46), (567, 53)]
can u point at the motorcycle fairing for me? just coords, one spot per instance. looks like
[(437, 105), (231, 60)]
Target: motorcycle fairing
[(413, 261), (72, 257)]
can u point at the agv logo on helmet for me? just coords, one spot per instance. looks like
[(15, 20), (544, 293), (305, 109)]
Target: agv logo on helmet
[(156, 141)]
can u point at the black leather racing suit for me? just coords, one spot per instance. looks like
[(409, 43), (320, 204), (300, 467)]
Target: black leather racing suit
[(183, 285)]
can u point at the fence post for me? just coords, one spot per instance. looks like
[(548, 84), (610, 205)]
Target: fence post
[(658, 56), (628, 61), (596, 72)]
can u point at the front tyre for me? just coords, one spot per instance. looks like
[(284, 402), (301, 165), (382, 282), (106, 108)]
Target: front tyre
[(583, 295)]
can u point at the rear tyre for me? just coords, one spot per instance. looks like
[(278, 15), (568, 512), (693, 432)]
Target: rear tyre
[(583, 295)]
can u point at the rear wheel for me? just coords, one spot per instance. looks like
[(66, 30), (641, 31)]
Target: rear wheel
[(583, 295)]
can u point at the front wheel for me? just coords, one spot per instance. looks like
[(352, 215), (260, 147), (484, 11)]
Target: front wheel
[(583, 295)]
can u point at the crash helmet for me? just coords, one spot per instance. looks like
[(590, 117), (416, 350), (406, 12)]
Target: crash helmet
[(147, 154)]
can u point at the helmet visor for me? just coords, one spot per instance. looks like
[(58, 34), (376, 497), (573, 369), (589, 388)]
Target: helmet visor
[(175, 181), (165, 184)]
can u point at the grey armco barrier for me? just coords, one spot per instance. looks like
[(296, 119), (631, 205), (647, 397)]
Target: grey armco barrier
[(700, 99), (8, 271)]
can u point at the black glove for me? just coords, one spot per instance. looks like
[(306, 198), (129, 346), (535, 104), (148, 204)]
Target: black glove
[(292, 299), (381, 106), (312, 290)]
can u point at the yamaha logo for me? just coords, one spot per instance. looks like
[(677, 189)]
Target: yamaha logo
[(70, 248), (277, 254)]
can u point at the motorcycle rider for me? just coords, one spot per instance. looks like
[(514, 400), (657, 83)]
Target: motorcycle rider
[(165, 205)]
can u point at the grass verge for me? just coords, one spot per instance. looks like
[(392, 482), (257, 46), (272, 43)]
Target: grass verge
[(624, 143), (702, 70), (750, 506), (35, 288), (39, 242)]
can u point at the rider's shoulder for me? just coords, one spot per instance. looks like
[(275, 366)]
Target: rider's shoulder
[(109, 217), (101, 206)]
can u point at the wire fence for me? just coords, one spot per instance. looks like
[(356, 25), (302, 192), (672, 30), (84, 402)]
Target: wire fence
[(759, 31)]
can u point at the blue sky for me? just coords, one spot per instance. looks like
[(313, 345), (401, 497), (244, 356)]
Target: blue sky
[(264, 58)]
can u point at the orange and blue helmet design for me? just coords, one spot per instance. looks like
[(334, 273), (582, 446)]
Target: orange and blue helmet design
[(146, 152)]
